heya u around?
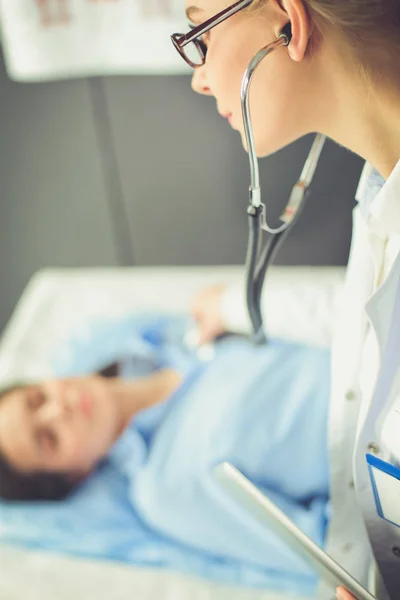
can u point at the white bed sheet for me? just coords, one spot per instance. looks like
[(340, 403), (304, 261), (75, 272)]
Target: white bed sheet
[(42, 576), (56, 303)]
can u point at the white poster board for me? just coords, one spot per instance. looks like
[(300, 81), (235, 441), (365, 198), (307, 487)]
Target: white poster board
[(58, 39)]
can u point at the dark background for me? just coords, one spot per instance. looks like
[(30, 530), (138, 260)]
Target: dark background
[(142, 171)]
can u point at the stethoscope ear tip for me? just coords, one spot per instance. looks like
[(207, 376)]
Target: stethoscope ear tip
[(287, 32)]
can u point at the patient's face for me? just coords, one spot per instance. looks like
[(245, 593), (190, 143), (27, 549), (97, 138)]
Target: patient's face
[(65, 425)]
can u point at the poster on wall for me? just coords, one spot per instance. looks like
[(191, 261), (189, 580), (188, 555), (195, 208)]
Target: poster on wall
[(47, 40)]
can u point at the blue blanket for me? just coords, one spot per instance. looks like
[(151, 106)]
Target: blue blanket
[(154, 503)]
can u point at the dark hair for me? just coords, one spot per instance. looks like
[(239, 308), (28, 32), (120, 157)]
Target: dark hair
[(370, 28), (15, 485)]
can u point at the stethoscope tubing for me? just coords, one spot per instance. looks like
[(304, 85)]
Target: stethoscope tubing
[(256, 264)]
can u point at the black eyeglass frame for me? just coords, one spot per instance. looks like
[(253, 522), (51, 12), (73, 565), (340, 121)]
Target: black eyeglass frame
[(180, 40)]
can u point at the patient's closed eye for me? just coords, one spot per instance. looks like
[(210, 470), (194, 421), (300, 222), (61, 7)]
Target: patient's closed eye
[(35, 398)]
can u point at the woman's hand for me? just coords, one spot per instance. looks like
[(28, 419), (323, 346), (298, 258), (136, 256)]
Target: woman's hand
[(206, 310), (343, 594)]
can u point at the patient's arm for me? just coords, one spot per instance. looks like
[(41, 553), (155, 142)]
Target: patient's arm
[(143, 392)]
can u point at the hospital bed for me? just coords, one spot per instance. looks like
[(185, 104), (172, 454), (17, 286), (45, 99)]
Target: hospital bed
[(57, 302)]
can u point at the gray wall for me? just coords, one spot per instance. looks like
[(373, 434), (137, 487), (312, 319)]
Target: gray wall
[(140, 170)]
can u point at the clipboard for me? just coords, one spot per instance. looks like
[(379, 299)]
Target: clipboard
[(269, 516)]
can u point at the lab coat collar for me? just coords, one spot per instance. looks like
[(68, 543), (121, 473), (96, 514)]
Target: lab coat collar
[(384, 210)]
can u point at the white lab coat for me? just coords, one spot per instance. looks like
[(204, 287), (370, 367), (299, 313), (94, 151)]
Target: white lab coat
[(355, 356)]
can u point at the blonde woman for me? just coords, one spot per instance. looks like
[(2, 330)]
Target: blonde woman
[(340, 76)]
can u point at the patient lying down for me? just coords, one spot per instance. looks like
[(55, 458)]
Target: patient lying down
[(262, 408), (54, 433)]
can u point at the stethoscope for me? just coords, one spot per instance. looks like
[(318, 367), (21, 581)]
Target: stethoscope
[(257, 260)]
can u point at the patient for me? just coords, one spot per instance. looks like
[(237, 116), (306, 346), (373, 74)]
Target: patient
[(54, 433), (263, 408)]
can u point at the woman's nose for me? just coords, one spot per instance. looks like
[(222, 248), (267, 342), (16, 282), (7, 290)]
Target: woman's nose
[(59, 406), (53, 410), (199, 81)]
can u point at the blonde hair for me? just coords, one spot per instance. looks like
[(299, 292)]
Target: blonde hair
[(368, 28)]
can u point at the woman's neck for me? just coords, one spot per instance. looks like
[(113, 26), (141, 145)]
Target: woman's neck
[(362, 115), (135, 395)]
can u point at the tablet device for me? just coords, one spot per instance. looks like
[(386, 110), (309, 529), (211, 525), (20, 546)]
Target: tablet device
[(244, 493)]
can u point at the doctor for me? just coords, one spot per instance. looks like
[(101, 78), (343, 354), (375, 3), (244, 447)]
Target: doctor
[(339, 76)]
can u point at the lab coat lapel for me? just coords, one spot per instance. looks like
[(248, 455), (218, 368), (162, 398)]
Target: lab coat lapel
[(380, 307)]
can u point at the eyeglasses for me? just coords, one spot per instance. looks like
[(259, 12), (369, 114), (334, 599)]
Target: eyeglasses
[(190, 46)]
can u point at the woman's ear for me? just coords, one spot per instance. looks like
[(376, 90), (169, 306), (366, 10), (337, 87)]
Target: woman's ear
[(296, 14)]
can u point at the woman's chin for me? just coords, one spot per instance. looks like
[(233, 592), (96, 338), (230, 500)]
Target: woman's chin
[(263, 148)]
